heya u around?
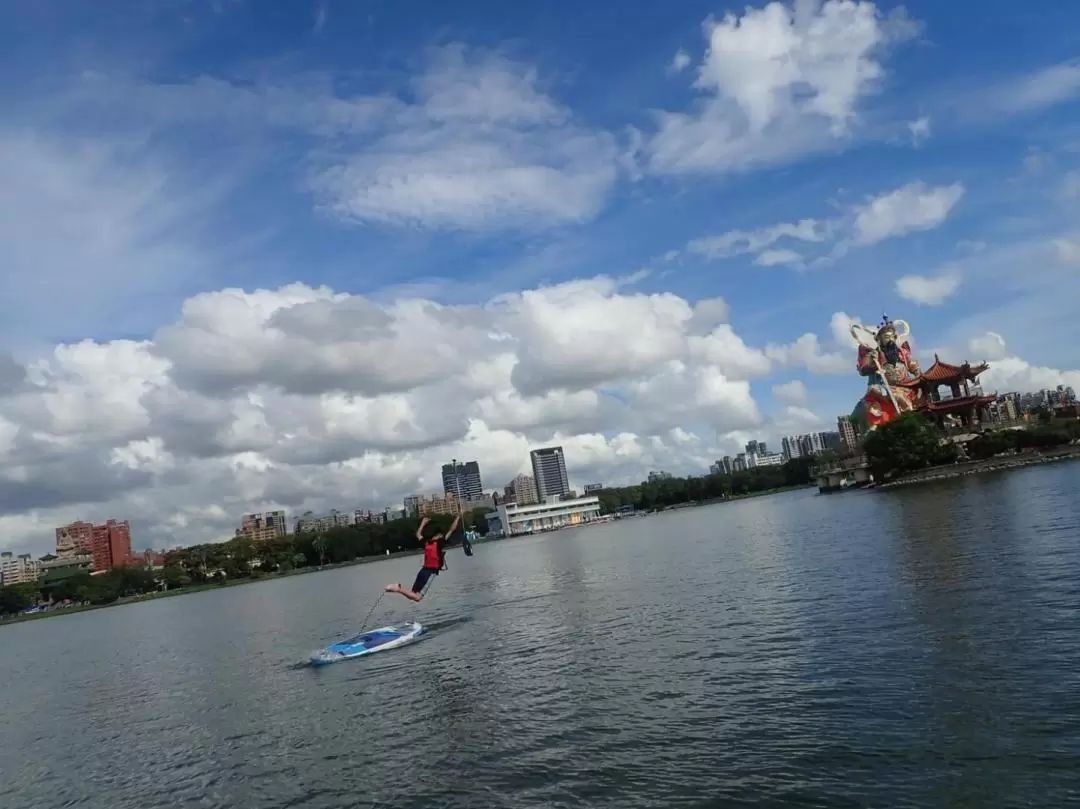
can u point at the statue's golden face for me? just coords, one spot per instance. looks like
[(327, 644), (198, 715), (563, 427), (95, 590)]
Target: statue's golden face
[(887, 335)]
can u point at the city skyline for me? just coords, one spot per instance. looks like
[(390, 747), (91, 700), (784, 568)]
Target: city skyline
[(1021, 401), (501, 238)]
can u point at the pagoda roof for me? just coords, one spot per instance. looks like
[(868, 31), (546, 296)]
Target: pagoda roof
[(946, 372)]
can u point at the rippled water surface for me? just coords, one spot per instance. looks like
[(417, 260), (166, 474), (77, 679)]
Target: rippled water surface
[(919, 647)]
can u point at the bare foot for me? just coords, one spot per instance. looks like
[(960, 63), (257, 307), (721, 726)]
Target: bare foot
[(393, 588)]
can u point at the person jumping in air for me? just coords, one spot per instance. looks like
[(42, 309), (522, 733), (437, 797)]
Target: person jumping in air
[(434, 561)]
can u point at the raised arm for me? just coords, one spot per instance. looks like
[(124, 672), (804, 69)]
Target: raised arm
[(453, 526), (420, 529)]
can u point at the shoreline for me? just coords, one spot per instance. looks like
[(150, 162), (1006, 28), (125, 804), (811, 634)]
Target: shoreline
[(966, 468), (363, 560), (202, 588)]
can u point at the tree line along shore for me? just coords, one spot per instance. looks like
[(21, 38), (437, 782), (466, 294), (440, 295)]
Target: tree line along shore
[(240, 560)]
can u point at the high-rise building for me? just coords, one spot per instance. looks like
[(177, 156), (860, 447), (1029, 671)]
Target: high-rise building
[(791, 447), (521, 490), (462, 480), (848, 434), (263, 527), (549, 471), (111, 545)]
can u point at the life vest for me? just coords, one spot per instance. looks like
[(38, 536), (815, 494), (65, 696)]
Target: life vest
[(432, 555)]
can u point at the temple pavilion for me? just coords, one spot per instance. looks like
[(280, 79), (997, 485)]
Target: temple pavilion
[(964, 400)]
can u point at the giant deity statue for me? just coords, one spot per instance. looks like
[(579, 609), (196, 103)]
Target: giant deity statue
[(892, 372)]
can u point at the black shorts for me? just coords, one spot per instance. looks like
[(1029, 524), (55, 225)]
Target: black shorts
[(423, 578)]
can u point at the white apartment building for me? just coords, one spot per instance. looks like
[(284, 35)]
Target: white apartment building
[(18, 569)]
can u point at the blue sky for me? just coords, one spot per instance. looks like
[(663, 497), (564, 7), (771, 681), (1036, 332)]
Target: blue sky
[(918, 160), (105, 77)]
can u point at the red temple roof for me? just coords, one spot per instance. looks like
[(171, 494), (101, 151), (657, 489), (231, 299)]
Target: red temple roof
[(945, 372)]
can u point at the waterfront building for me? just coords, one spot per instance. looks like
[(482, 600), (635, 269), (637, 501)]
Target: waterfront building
[(791, 447), (462, 480), (512, 519), (17, 569), (549, 471), (263, 527)]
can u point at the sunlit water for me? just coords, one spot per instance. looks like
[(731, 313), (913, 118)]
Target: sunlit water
[(918, 647)]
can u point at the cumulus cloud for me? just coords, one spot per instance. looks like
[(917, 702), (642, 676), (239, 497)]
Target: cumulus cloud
[(807, 352), (790, 393), (908, 209), (304, 397), (928, 290), (1008, 372), (991, 346), (777, 83)]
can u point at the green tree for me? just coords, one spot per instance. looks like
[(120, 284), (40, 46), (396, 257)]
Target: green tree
[(906, 445)]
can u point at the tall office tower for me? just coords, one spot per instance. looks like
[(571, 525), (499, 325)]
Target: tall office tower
[(462, 480), (549, 472)]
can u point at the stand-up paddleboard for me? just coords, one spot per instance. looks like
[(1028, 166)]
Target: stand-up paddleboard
[(375, 640)]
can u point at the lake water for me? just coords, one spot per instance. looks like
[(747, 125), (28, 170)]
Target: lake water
[(917, 647)]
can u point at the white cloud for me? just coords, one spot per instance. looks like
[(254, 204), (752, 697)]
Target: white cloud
[(679, 62), (472, 142), (911, 208), (777, 83), (482, 147), (928, 291), (741, 242), (778, 258), (1016, 374), (1043, 88), (919, 129), (806, 352), (790, 393), (302, 397), (991, 346)]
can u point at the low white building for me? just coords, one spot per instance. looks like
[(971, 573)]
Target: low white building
[(511, 519)]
